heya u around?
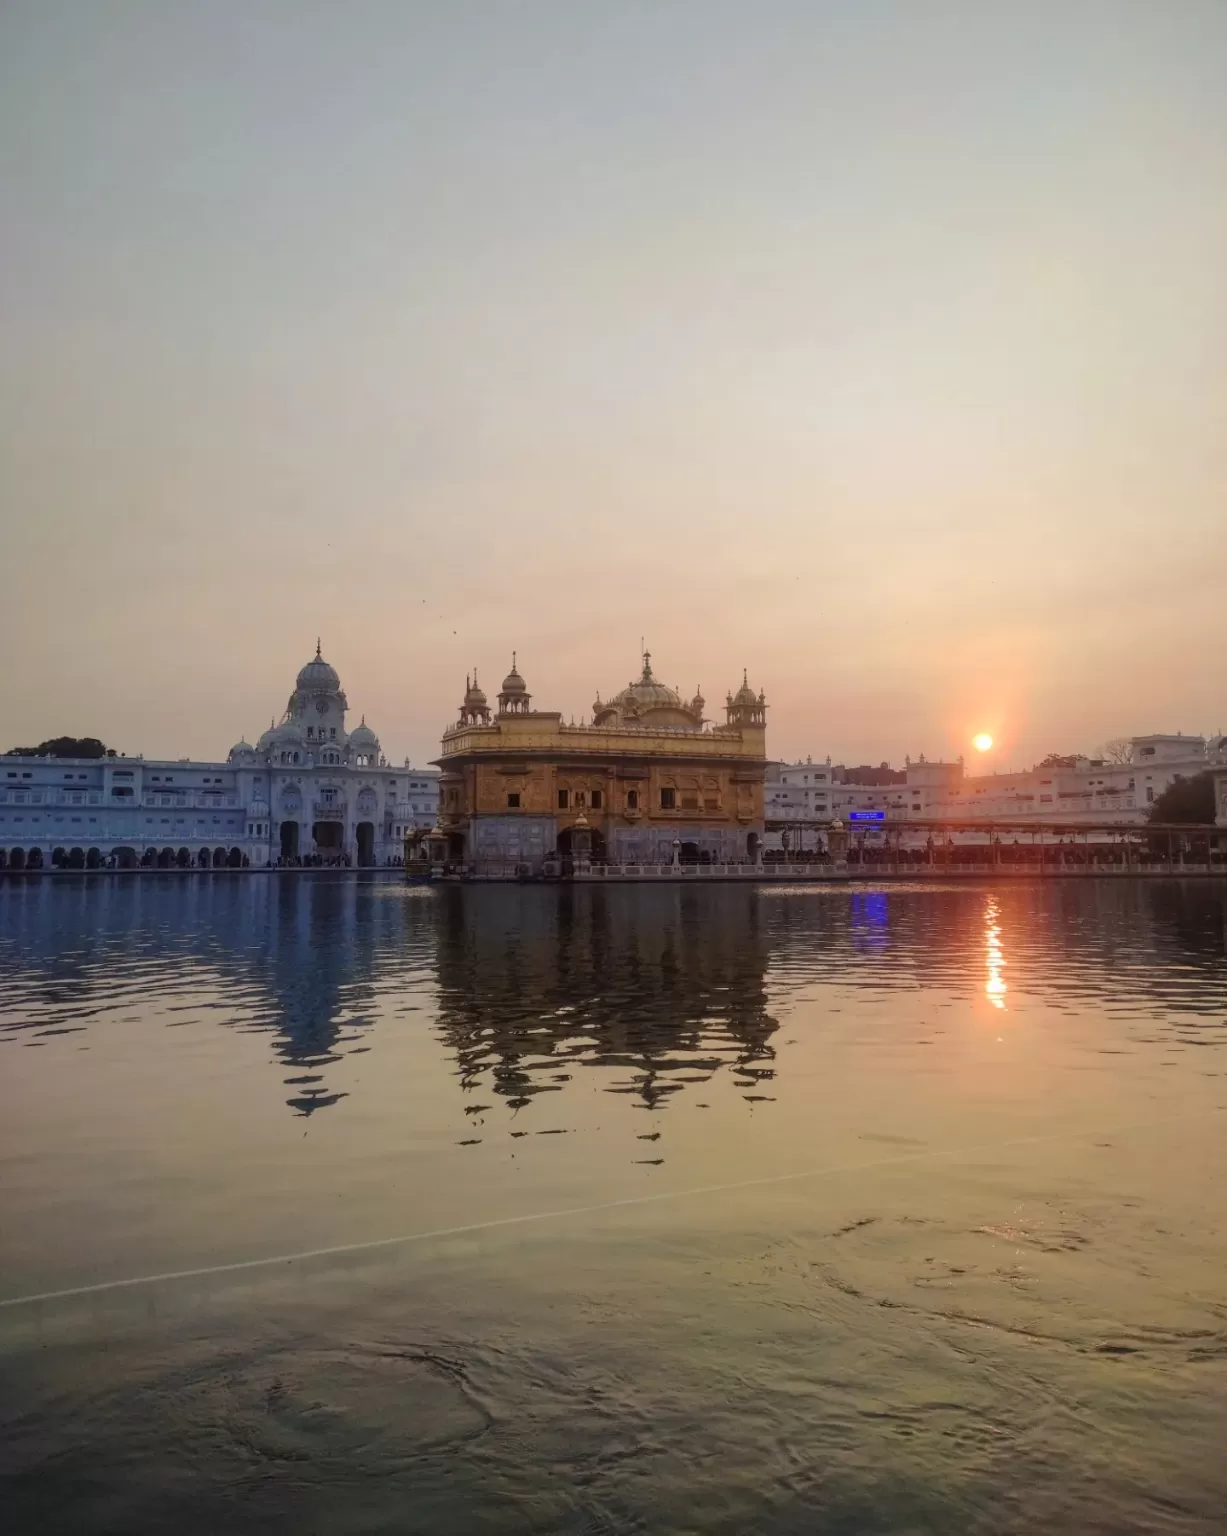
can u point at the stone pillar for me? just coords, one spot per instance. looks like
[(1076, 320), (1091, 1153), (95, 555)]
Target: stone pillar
[(581, 845)]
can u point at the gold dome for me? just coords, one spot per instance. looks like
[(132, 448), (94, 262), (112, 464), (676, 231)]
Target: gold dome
[(648, 699)]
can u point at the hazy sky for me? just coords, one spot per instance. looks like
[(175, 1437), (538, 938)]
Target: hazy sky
[(878, 347)]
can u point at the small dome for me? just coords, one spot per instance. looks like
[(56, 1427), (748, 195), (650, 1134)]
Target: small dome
[(288, 733), (745, 694), (363, 736), (266, 738), (318, 676), (242, 748), (513, 682), (473, 693)]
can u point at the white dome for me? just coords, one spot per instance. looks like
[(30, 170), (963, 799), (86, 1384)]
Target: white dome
[(363, 736), (317, 676), (241, 748)]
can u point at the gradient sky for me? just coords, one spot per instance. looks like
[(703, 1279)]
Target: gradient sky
[(878, 347)]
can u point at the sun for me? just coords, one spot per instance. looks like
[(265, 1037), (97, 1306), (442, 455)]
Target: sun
[(982, 742)]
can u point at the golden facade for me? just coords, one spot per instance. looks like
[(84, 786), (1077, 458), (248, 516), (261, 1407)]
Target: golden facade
[(646, 779)]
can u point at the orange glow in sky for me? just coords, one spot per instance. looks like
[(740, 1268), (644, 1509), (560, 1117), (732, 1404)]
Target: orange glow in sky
[(982, 742), (536, 345)]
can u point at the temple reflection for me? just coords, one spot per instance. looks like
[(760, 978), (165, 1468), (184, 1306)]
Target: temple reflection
[(660, 987)]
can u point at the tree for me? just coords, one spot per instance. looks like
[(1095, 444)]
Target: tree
[(1186, 800), (1118, 750), (65, 746), (1058, 760)]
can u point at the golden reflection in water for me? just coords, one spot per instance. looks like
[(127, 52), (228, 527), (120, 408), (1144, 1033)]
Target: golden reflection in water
[(995, 988)]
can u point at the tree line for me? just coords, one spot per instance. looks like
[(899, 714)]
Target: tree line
[(65, 746)]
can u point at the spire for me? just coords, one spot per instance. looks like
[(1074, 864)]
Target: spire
[(513, 661), (317, 649), (647, 666)]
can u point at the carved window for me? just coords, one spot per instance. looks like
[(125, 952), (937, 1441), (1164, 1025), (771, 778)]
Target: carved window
[(513, 800), (632, 799), (596, 800), (564, 799), (668, 799)]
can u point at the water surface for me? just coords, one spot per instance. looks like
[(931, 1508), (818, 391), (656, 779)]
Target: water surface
[(720, 1209)]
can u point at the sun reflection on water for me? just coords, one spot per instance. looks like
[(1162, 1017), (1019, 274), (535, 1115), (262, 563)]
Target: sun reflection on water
[(995, 988)]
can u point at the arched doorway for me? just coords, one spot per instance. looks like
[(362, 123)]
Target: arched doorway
[(329, 837), (149, 858), (125, 858), (17, 859), (688, 853), (166, 858), (203, 858), (58, 856), (364, 834), (183, 858), (219, 858), (753, 842), (235, 858), (289, 840), (34, 859), (4, 858), (76, 858), (93, 858)]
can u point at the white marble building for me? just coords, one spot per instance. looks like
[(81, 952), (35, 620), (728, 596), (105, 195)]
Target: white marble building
[(1082, 790), (308, 787)]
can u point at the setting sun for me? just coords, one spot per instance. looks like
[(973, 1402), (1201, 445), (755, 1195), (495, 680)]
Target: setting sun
[(982, 742)]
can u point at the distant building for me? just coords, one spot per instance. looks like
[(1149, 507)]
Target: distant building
[(1086, 789), (308, 786), (1073, 789), (806, 792), (799, 791), (647, 773)]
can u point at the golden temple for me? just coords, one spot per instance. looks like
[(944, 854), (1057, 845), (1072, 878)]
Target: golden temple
[(648, 781)]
